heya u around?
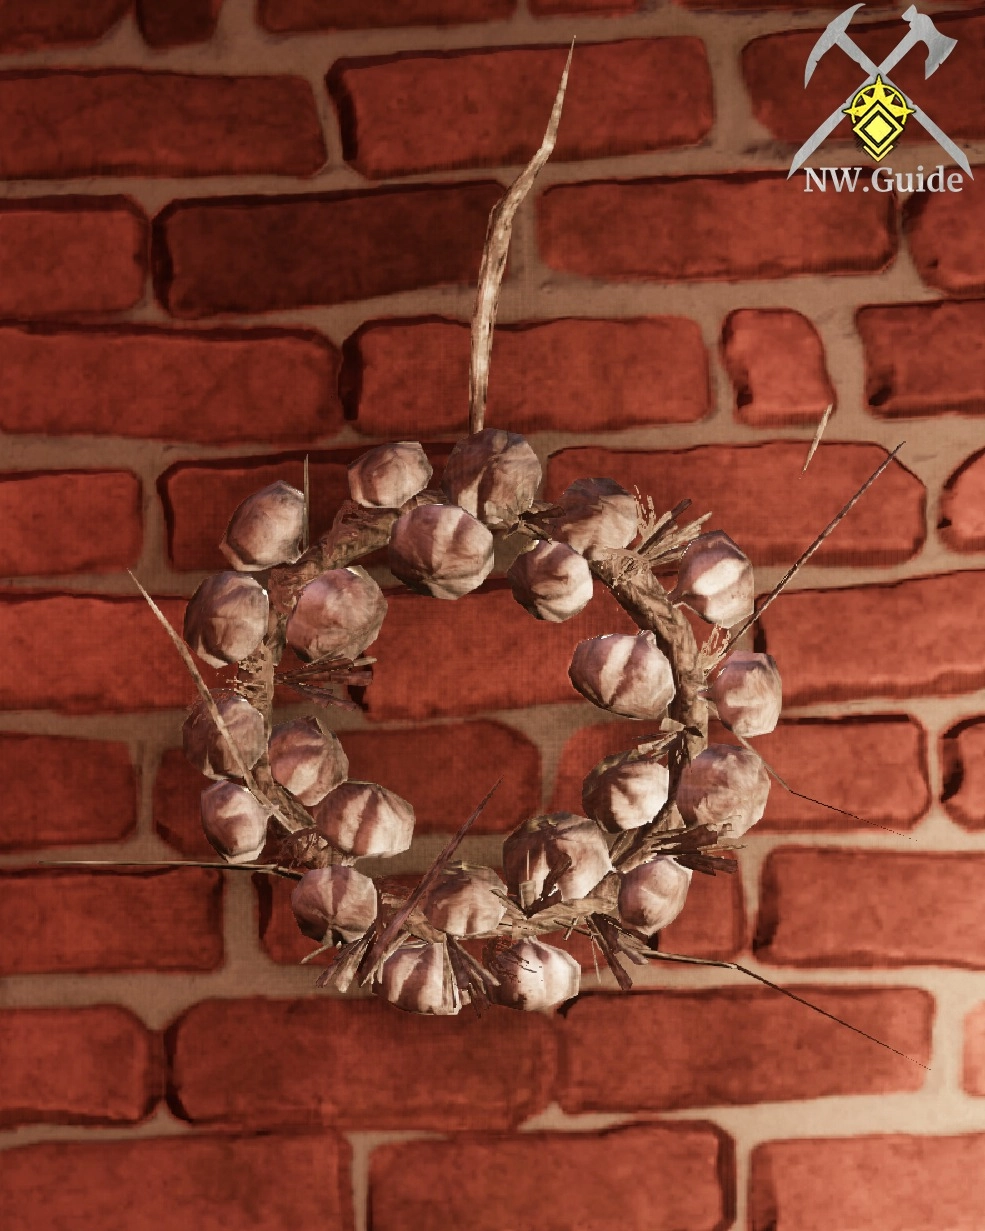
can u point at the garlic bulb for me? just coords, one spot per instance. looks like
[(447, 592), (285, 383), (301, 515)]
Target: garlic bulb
[(338, 615), (306, 759), (596, 513), (266, 529), (716, 580), (533, 975), (235, 822), (226, 618), (389, 475), (464, 902), (724, 787), (543, 844), (748, 693), (652, 895), (334, 899), (364, 818), (494, 475), (623, 674), (441, 550), (551, 581), (415, 978), (205, 746), (625, 791)]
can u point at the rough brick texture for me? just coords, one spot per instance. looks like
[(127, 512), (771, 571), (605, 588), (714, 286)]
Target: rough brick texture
[(177, 819), (60, 791), (973, 1076), (164, 23), (259, 1183), (220, 387), (120, 122), (699, 227), (567, 375), (71, 255), (601, 8), (893, 908), (712, 924), (890, 1183), (962, 509), (92, 1065), (963, 762), (238, 1061), (656, 1177), (36, 24), (284, 16), (259, 254), (85, 521), (940, 230), (62, 920), (487, 108), (775, 361)]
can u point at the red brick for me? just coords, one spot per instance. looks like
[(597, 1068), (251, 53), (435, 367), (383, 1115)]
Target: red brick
[(65, 792), (713, 922), (885, 1183), (30, 25), (279, 935), (69, 521), (177, 819), (890, 908), (61, 920), (973, 1078), (285, 16), (920, 359), (122, 122), (746, 225), (208, 387), (570, 375), (962, 512), (238, 1062), (660, 1050), (761, 497), (488, 108), (259, 254), (939, 230), (963, 761), (164, 23), (92, 1065), (760, 5), (89, 654), (775, 361), (71, 255), (600, 8), (557, 1181), (913, 638), (258, 1183)]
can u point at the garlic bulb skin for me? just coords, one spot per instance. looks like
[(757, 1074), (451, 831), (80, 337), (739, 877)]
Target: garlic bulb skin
[(716, 581), (596, 513), (551, 581), (494, 475), (205, 746), (415, 978), (465, 903), (543, 844), (226, 618), (234, 821), (623, 674), (533, 975), (748, 693), (307, 759), (334, 899), (652, 895), (625, 791), (364, 818), (338, 615), (725, 788), (389, 475), (266, 529), (440, 550)]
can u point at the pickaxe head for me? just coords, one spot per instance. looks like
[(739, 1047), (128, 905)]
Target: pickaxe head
[(836, 27), (923, 30)]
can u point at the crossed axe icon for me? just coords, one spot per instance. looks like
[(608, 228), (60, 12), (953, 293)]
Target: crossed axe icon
[(922, 30)]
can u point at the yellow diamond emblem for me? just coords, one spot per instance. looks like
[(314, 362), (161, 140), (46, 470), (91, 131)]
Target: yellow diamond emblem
[(878, 113)]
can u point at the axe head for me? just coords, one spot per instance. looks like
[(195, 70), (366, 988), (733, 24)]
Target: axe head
[(835, 28), (923, 30)]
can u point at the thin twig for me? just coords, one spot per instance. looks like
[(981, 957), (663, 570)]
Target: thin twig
[(817, 436), (306, 520), (270, 869)]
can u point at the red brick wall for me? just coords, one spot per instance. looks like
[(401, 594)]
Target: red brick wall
[(232, 234)]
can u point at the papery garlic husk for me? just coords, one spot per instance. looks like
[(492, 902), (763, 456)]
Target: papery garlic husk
[(494, 475), (724, 787), (334, 899), (389, 475), (625, 791), (466, 901), (307, 760), (364, 818), (266, 529), (234, 820), (551, 581), (441, 550), (540, 846), (415, 978), (597, 513), (748, 693), (652, 895), (226, 618), (716, 580), (338, 615), (623, 674), (533, 975), (205, 746)]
